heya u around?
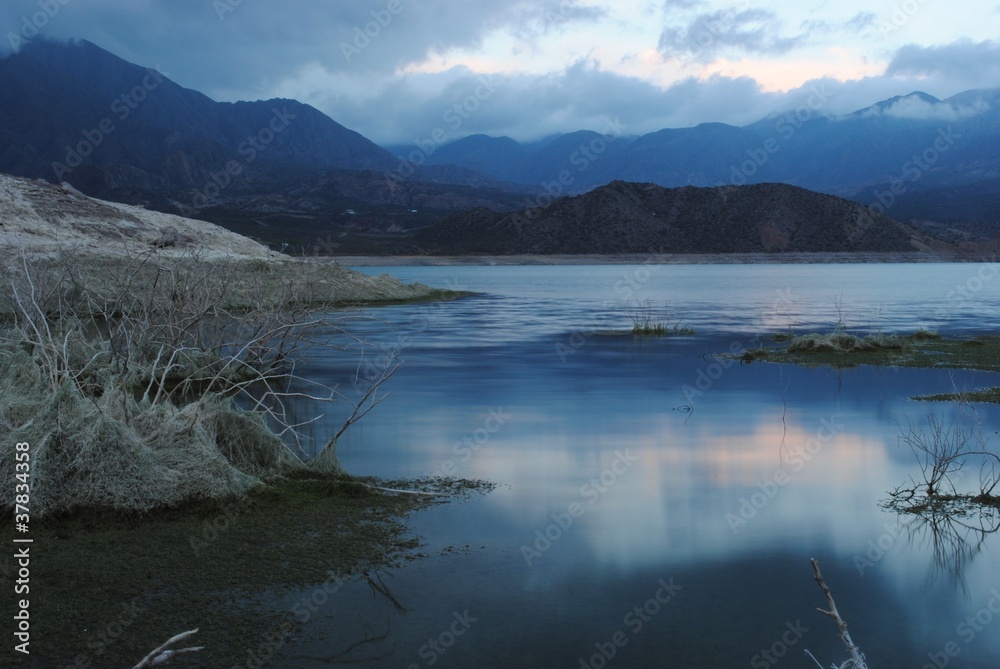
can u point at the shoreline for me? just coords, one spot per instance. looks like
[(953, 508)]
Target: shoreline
[(649, 258)]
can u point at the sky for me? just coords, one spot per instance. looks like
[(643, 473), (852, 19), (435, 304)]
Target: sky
[(403, 71)]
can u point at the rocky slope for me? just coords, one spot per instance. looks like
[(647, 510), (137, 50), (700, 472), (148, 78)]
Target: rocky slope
[(58, 227), (39, 218)]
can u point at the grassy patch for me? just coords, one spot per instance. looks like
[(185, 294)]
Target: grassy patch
[(919, 350), (648, 320), (984, 395), (660, 329), (112, 587)]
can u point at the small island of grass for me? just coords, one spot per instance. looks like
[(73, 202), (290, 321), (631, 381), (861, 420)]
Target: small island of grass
[(921, 349)]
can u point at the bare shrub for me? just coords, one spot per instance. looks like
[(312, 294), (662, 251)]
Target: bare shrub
[(146, 382), (942, 450)]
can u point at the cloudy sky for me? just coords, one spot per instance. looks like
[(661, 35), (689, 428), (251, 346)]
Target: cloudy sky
[(395, 70)]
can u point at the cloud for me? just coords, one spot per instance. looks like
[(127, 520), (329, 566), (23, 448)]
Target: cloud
[(669, 5), (232, 49), (861, 22), (393, 69), (709, 36), (529, 21), (924, 108), (583, 96), (975, 63)]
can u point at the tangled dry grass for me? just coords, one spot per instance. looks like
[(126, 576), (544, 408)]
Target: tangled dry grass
[(155, 381)]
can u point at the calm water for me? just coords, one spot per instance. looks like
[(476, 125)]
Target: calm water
[(658, 508)]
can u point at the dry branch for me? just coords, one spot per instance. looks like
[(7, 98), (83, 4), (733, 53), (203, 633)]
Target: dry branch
[(857, 660), (164, 653)]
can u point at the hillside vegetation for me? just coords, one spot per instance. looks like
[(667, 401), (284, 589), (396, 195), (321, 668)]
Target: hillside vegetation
[(643, 218)]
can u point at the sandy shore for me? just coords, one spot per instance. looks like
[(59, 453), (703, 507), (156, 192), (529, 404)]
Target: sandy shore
[(665, 259)]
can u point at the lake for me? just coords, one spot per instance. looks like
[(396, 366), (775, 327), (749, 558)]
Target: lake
[(658, 506)]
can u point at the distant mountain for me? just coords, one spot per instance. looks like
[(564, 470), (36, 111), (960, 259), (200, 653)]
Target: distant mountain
[(914, 143), (623, 218), (278, 170), (75, 112)]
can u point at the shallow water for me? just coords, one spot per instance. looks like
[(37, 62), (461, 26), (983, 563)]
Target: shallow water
[(657, 506)]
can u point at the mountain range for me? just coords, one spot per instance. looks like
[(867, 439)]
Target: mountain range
[(287, 174), (917, 142)]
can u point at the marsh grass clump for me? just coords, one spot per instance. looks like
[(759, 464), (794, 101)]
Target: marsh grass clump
[(925, 335), (981, 395), (647, 320), (843, 342), (158, 384)]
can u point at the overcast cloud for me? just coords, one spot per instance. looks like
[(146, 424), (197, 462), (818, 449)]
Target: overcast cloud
[(394, 69)]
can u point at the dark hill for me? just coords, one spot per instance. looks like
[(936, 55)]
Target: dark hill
[(641, 218)]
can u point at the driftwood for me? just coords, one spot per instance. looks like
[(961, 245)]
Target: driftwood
[(857, 660), (164, 654)]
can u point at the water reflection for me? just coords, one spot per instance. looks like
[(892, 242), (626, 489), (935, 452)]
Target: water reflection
[(370, 642), (956, 537), (607, 488)]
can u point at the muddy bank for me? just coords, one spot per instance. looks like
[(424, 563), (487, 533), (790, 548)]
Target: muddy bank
[(248, 572)]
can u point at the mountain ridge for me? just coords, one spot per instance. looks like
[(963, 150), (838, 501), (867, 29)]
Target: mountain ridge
[(126, 114), (850, 155), (284, 172)]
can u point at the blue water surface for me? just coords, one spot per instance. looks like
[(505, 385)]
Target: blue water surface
[(657, 505)]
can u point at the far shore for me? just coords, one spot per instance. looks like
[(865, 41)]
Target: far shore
[(656, 258)]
